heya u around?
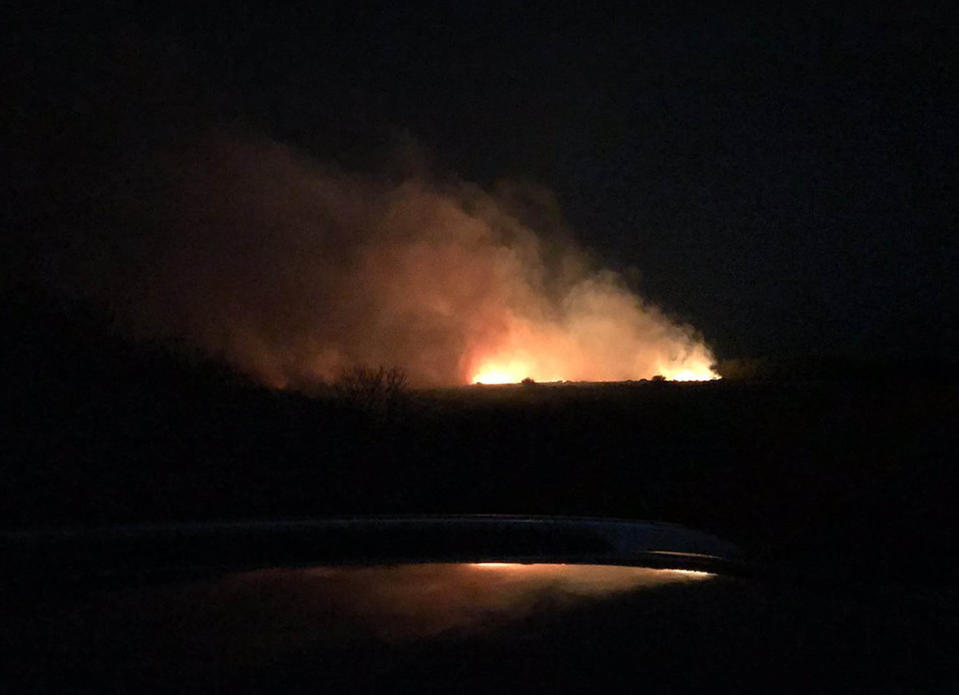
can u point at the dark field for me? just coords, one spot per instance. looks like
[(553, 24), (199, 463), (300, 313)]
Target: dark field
[(838, 484), (849, 472)]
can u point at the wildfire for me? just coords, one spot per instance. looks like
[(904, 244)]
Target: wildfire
[(698, 373), (509, 373), (513, 372), (442, 279), (602, 338)]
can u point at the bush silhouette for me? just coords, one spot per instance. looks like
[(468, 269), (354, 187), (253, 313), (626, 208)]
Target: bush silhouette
[(376, 390)]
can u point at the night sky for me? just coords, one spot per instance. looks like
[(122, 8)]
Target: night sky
[(784, 181)]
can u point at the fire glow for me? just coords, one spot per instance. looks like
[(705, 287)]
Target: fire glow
[(514, 373), (510, 373), (284, 612), (402, 602), (452, 283)]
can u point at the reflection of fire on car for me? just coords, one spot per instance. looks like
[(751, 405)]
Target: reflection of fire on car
[(482, 603), (219, 547)]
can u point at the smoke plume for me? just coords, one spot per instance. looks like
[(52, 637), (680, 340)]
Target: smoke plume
[(294, 271)]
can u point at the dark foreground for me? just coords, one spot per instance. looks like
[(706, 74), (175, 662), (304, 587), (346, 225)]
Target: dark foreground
[(447, 606), (438, 628), (839, 486), (855, 475)]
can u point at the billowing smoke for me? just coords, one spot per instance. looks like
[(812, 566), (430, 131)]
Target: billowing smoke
[(295, 271)]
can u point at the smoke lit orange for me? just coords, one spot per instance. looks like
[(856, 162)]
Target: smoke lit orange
[(453, 284)]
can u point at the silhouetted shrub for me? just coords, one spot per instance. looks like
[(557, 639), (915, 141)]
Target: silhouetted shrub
[(528, 382), (375, 390)]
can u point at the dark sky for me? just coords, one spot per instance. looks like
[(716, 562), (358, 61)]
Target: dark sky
[(783, 180)]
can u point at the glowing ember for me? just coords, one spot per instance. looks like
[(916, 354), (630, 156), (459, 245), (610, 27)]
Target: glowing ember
[(515, 371), (701, 373)]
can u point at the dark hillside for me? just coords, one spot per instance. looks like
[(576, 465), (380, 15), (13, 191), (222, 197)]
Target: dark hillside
[(854, 473)]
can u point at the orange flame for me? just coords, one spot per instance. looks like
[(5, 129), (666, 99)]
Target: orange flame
[(452, 283), (514, 372), (552, 354), (511, 372)]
